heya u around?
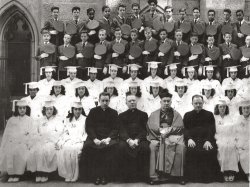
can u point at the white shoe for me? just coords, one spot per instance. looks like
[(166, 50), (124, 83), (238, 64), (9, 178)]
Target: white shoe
[(67, 180), (10, 179), (16, 179), (44, 179), (38, 179)]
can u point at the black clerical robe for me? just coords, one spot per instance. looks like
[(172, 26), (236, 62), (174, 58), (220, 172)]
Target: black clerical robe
[(201, 164)]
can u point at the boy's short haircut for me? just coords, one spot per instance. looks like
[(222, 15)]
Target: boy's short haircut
[(194, 34), (178, 30), (104, 7), (227, 33), (210, 36), (117, 29), (240, 10), (121, 5), (152, 1), (89, 10), (102, 30), (54, 8), (134, 30), (67, 35), (211, 10), (135, 5), (182, 10), (168, 7), (148, 29), (196, 8), (76, 8), (44, 31), (83, 32), (227, 10)]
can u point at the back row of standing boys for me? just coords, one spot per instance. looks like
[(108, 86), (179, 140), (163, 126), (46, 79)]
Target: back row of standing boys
[(143, 38)]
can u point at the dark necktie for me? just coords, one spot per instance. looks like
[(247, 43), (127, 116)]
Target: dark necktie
[(83, 45), (76, 22), (195, 21), (240, 23)]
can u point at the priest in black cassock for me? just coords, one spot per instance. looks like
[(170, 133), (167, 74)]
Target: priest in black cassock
[(99, 150), (201, 156), (133, 147)]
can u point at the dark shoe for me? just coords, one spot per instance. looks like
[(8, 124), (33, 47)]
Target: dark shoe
[(104, 181), (97, 181), (151, 182)]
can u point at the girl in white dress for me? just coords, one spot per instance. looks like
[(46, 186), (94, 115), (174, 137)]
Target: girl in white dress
[(152, 100), (242, 135), (46, 84), (115, 100), (227, 154), (62, 102), (181, 101), (42, 158), (191, 81), (71, 142), (15, 142), (82, 95), (134, 89), (208, 93)]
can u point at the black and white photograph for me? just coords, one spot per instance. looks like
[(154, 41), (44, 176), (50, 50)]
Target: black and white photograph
[(128, 93)]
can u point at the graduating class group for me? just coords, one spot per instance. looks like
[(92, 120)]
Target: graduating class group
[(135, 98)]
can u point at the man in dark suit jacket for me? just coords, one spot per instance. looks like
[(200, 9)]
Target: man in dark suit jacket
[(106, 22), (240, 20), (213, 22), (152, 16), (227, 22), (120, 19), (133, 146), (56, 36), (84, 61), (99, 150), (78, 23), (183, 19), (197, 20)]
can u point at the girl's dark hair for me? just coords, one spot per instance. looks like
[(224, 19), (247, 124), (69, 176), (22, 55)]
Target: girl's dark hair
[(151, 91), (115, 92), (212, 92), (71, 114), (16, 113), (52, 92), (235, 92), (240, 110), (32, 89), (85, 94), (138, 93), (54, 111), (216, 110), (185, 89)]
